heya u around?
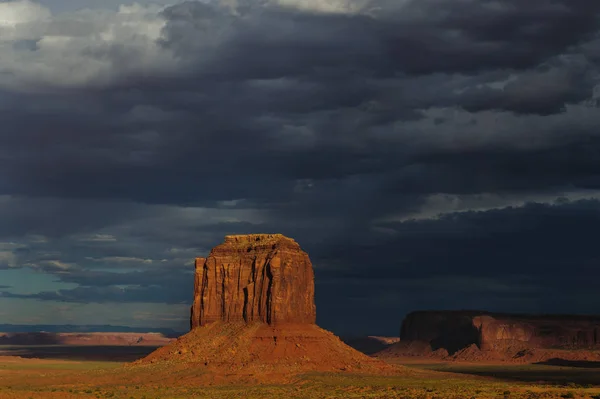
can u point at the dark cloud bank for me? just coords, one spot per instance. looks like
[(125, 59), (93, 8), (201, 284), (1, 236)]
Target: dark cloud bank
[(427, 154)]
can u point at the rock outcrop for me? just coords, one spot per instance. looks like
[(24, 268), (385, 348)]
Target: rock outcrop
[(253, 317), (254, 278), (497, 335)]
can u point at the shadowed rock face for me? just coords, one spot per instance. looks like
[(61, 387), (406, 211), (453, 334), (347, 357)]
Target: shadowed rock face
[(454, 330), (254, 278)]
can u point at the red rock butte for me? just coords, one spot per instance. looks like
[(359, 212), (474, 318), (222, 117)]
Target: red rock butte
[(254, 278), (253, 317)]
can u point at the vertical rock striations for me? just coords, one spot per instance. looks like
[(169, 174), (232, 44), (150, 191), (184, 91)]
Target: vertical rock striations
[(254, 278)]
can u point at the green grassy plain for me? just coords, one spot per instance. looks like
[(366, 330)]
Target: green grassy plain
[(67, 379)]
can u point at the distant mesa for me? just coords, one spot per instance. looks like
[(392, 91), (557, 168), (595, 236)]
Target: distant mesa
[(84, 339), (370, 344), (84, 328), (253, 315), (480, 335)]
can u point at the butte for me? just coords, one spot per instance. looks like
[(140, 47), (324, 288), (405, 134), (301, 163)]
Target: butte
[(253, 315)]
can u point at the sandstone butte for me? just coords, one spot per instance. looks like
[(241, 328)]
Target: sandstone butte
[(260, 277), (480, 335), (253, 317)]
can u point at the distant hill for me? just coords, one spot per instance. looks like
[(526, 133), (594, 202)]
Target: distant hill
[(371, 344), (70, 328)]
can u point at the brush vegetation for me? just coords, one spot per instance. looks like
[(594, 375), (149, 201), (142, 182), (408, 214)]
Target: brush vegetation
[(66, 379)]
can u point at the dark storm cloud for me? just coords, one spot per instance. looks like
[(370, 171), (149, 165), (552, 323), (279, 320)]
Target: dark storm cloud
[(544, 91), (299, 95), (547, 238), (416, 37), (323, 126), (163, 278), (536, 258), (471, 172), (474, 35), (60, 216)]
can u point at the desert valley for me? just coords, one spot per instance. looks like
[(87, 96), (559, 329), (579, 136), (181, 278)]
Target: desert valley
[(253, 335)]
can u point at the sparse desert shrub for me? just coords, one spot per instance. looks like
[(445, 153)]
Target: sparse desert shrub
[(533, 395), (574, 385), (568, 395)]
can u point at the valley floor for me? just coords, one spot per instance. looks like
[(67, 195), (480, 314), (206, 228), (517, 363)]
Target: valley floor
[(58, 378)]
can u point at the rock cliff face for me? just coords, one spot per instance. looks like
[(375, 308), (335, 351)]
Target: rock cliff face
[(254, 278), (455, 330)]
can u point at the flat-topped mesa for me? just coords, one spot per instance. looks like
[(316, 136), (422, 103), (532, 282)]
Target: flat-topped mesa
[(454, 330), (254, 278)]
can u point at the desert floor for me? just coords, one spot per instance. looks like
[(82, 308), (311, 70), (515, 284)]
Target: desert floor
[(84, 372)]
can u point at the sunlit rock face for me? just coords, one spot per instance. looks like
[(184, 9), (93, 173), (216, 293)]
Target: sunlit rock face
[(254, 278)]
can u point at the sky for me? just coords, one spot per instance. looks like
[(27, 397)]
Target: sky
[(427, 154)]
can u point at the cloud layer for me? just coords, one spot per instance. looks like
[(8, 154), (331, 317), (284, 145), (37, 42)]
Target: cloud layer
[(426, 153)]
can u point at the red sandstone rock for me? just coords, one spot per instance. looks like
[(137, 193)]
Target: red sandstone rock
[(506, 335), (256, 277), (239, 349), (498, 332), (253, 317)]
